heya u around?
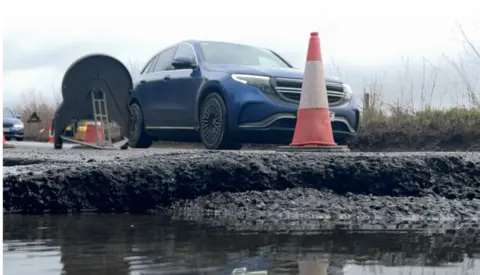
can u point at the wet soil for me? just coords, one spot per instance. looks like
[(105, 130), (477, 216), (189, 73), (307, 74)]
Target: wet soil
[(321, 185)]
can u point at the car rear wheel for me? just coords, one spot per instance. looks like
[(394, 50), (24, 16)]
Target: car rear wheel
[(138, 137), (19, 139), (213, 122)]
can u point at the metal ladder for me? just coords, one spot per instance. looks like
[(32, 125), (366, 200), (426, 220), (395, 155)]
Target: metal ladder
[(100, 114)]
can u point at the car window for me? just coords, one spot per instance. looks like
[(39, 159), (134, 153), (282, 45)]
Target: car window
[(267, 62), (149, 66), (236, 54), (164, 60), (8, 113), (185, 51)]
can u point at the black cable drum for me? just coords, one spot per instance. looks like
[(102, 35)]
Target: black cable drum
[(94, 72), (79, 75)]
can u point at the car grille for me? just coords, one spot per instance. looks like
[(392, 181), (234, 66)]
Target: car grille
[(7, 125), (290, 89)]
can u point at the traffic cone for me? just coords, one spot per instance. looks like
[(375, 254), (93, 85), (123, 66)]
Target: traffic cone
[(51, 134), (313, 129), (5, 144)]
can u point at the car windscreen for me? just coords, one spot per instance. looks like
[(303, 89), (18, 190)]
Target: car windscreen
[(235, 54), (8, 113)]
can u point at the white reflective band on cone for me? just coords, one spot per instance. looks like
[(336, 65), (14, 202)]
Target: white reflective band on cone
[(314, 92)]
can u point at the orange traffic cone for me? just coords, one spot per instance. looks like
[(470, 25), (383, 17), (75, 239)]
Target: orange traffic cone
[(5, 144), (313, 129), (51, 134)]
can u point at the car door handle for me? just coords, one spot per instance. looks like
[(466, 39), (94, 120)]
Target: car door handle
[(142, 81), (167, 77)]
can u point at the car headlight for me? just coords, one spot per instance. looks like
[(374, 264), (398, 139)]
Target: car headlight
[(346, 98), (348, 91), (18, 125), (260, 82)]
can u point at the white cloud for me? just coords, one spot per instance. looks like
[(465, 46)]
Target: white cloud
[(42, 38)]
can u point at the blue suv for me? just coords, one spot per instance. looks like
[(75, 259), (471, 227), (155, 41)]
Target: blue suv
[(12, 125), (225, 94)]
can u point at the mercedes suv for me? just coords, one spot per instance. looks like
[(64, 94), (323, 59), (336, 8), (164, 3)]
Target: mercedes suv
[(226, 94)]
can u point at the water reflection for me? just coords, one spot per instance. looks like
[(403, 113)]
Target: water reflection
[(134, 245)]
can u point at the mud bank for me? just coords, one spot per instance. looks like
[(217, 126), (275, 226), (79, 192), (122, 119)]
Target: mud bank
[(147, 183)]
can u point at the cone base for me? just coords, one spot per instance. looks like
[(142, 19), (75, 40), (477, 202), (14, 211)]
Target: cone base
[(313, 143), (313, 128), (329, 149)]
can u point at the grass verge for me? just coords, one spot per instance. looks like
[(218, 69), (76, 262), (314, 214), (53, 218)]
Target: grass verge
[(424, 130)]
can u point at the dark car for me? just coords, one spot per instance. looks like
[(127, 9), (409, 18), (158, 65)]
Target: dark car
[(12, 125), (226, 94)]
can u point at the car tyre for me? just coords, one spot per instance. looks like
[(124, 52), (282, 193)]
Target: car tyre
[(138, 137), (213, 124), (8, 138), (19, 139)]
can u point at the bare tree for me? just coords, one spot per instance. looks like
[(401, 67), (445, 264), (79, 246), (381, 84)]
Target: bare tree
[(469, 84), (469, 43), (34, 102)]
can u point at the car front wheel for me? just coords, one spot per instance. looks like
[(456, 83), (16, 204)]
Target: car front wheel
[(213, 122), (138, 137)]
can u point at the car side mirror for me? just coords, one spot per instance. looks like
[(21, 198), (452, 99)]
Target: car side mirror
[(183, 63), (19, 117)]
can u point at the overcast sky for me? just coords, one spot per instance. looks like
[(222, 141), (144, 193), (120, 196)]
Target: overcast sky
[(364, 38)]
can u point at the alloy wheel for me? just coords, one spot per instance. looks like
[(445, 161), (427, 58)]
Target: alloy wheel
[(211, 122)]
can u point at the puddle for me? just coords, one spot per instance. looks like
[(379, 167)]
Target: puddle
[(134, 245)]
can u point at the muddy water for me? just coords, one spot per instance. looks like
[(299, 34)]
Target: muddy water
[(134, 245)]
